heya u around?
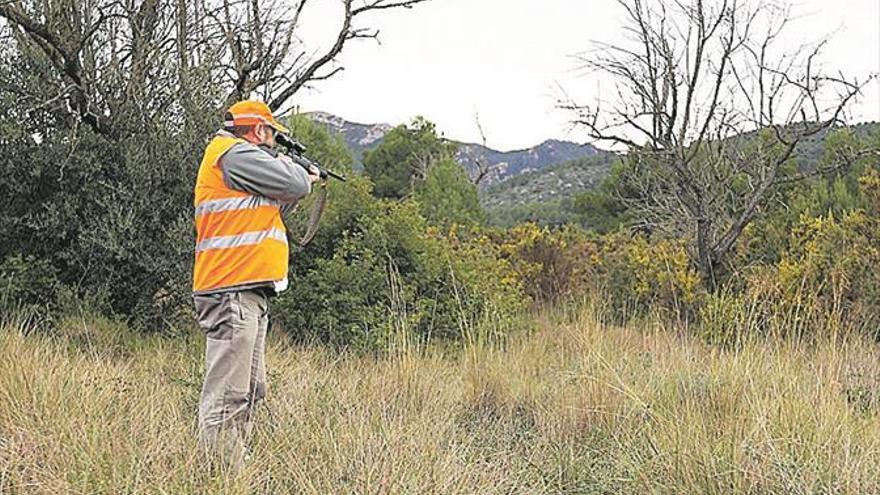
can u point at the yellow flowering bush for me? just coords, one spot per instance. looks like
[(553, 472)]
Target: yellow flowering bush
[(825, 277), (649, 274), (632, 274), (552, 264)]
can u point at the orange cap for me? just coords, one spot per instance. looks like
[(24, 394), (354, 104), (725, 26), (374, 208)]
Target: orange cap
[(253, 112)]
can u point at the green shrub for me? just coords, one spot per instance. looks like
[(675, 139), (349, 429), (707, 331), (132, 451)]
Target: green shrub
[(820, 280), (395, 274), (341, 301), (649, 275), (447, 196), (632, 275), (27, 280), (112, 222)]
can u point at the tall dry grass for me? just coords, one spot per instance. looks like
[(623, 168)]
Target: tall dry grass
[(575, 407)]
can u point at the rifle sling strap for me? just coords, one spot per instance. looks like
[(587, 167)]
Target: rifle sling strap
[(315, 213)]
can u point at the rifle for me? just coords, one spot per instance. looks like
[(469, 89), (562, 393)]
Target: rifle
[(296, 152)]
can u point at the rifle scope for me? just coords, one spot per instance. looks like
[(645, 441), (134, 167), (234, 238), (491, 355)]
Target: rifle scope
[(295, 150)]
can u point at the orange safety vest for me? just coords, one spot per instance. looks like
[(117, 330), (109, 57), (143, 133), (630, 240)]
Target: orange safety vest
[(240, 237)]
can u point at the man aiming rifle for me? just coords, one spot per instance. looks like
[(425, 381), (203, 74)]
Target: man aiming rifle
[(241, 260)]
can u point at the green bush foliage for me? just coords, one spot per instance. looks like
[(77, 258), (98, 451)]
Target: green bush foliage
[(820, 282), (812, 272), (642, 275), (108, 222), (405, 157), (448, 197), (552, 264), (28, 280), (394, 274)]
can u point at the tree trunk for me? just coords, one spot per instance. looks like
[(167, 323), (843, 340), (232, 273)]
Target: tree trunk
[(705, 260)]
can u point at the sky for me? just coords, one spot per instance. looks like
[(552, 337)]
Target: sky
[(507, 63)]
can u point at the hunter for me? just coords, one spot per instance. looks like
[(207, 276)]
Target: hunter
[(241, 260)]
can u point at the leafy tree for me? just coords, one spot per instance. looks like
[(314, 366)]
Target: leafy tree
[(603, 210), (405, 157), (447, 196), (327, 149), (346, 203)]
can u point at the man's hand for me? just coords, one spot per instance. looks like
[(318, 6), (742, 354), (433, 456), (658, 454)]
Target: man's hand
[(314, 174)]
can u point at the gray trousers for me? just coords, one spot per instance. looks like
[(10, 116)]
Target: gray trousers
[(235, 325)]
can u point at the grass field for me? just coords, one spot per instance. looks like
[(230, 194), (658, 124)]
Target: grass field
[(573, 407)]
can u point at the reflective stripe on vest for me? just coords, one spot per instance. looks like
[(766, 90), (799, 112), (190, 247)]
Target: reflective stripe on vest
[(229, 204), (246, 239), (240, 238)]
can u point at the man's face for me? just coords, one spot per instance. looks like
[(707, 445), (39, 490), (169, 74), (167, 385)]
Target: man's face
[(266, 134)]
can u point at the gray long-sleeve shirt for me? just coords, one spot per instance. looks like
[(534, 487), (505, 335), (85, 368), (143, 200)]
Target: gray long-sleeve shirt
[(251, 169)]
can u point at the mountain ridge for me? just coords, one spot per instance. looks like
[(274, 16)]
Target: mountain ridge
[(360, 137)]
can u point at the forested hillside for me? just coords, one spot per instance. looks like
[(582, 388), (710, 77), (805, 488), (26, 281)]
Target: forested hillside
[(545, 196), (560, 193)]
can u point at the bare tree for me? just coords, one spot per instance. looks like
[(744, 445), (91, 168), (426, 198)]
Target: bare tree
[(712, 106), (153, 57), (265, 54), (481, 165)]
